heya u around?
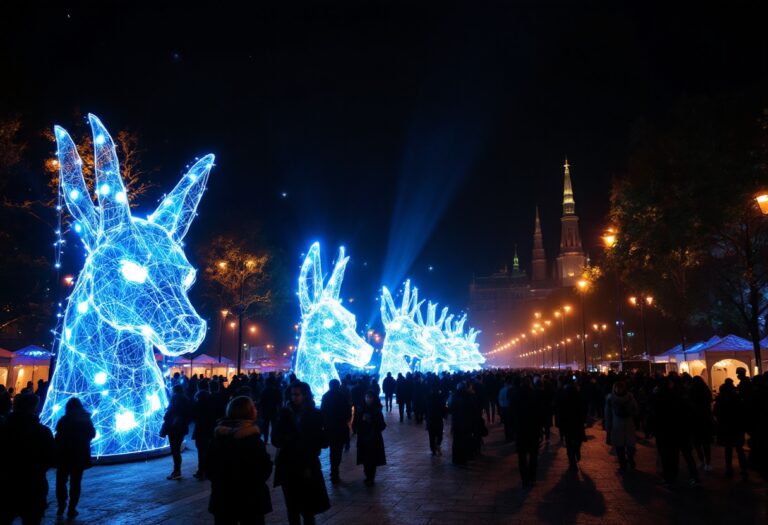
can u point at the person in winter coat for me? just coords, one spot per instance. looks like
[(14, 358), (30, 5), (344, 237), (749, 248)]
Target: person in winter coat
[(204, 414), (731, 423), (463, 412), (337, 413), (269, 404), (299, 436), (369, 424), (238, 466), (670, 416), (436, 412), (620, 413), (703, 422), (528, 413), (176, 425), (388, 386), (403, 392), (571, 417), (74, 432), (30, 453)]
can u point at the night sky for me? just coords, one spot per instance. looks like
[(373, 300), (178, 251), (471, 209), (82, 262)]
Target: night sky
[(417, 137)]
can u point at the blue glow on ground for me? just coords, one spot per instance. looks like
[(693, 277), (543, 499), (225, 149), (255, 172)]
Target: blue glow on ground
[(130, 296)]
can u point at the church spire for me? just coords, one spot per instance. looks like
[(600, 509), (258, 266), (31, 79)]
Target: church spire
[(569, 205), (515, 262), (539, 259)]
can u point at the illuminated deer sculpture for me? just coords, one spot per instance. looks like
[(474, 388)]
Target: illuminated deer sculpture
[(130, 296), (328, 333)]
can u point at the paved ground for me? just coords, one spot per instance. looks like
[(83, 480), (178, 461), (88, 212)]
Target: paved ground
[(416, 488)]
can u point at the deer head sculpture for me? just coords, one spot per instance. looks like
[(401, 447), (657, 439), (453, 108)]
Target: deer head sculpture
[(404, 342), (444, 356), (328, 330), (468, 356), (130, 296)]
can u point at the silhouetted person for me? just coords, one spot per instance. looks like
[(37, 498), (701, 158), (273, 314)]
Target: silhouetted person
[(205, 414), (436, 413), (419, 397), (671, 424), (238, 466), (74, 432), (29, 452), (703, 423), (388, 386), (176, 425), (503, 401), (571, 417), (299, 436), (404, 393), (369, 424), (620, 413), (337, 413), (528, 413), (731, 423), (463, 412), (269, 404), (5, 403)]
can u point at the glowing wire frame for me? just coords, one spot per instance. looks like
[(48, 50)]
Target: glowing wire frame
[(130, 296), (328, 333)]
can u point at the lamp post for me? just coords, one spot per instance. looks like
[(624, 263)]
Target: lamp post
[(582, 285), (640, 303), (548, 323), (610, 237), (224, 314), (762, 202)]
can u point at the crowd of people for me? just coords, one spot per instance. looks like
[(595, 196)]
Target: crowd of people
[(234, 421)]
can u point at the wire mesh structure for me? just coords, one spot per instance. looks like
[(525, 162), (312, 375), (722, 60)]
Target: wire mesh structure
[(130, 296), (328, 330)]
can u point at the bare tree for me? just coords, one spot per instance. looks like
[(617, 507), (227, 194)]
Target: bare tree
[(237, 274)]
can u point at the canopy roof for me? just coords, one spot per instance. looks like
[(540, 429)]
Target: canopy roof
[(729, 343), (199, 360), (31, 355)]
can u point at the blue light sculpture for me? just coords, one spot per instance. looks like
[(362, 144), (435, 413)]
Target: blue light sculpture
[(443, 356), (328, 333), (405, 346), (130, 296), (468, 356)]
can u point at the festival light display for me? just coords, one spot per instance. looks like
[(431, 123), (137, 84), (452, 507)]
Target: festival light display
[(404, 343), (468, 356), (328, 330), (412, 344), (130, 296), (443, 355)]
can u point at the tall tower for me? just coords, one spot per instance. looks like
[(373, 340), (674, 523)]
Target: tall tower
[(539, 259), (571, 261)]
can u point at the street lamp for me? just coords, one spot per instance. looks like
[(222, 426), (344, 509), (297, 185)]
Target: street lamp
[(610, 238), (641, 303), (583, 285), (224, 314)]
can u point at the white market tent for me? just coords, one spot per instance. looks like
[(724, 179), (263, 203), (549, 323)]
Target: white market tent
[(5, 365), (714, 360), (203, 365), (29, 364)]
